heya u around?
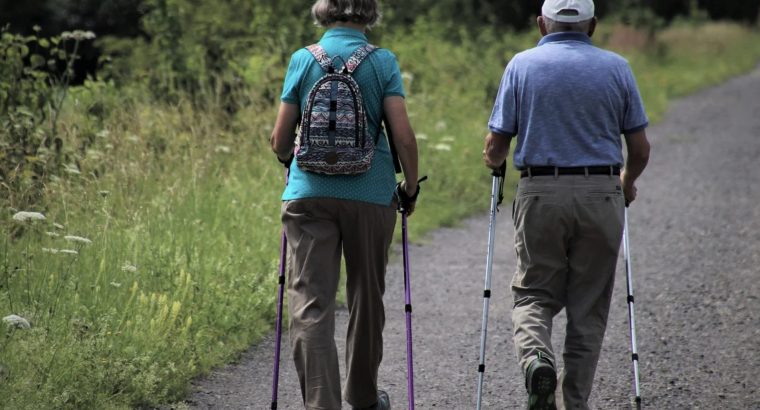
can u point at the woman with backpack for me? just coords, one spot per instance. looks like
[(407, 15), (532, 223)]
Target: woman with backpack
[(339, 199)]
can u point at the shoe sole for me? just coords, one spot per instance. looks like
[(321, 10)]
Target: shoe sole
[(541, 393)]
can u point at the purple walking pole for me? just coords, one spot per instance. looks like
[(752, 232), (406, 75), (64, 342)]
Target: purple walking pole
[(404, 200), (278, 323), (408, 309)]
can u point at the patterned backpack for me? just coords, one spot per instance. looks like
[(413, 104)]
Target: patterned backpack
[(333, 136)]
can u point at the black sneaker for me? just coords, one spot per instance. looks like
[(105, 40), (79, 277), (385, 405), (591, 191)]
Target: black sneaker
[(541, 380), (383, 402)]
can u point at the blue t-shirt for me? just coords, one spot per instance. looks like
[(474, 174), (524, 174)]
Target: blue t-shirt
[(378, 77), (567, 102)]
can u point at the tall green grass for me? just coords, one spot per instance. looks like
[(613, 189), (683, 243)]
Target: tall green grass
[(172, 215)]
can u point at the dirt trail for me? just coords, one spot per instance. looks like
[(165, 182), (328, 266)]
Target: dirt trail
[(695, 239)]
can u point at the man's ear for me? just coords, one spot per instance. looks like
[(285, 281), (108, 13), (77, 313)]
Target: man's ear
[(541, 25), (592, 27)]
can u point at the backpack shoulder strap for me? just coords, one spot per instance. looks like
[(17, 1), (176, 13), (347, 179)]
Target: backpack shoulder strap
[(321, 56), (358, 56)]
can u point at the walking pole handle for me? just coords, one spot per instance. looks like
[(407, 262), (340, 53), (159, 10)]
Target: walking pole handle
[(501, 174), (404, 200), (501, 171)]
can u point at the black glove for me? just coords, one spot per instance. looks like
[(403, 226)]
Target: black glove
[(404, 200), (286, 163)]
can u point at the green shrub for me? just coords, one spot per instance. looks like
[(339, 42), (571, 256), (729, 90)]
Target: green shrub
[(31, 100)]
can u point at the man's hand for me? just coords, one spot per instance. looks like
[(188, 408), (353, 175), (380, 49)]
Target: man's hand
[(638, 157), (629, 188), (496, 150)]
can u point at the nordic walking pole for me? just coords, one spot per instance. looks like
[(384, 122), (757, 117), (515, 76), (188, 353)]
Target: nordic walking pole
[(408, 310), (497, 195), (278, 323), (631, 314), (407, 295)]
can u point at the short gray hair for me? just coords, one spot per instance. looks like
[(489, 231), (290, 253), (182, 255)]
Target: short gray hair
[(328, 12), (553, 26)]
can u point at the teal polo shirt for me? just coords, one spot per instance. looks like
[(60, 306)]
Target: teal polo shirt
[(567, 102), (378, 77)]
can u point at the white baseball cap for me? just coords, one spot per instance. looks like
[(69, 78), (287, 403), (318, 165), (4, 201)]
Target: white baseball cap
[(568, 11)]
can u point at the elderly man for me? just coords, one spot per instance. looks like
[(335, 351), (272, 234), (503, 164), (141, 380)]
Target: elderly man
[(567, 103)]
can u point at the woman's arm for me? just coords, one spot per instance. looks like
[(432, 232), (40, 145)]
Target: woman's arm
[(403, 140), (284, 132)]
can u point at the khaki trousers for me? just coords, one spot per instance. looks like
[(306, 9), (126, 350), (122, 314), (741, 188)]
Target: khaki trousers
[(568, 230), (318, 231)]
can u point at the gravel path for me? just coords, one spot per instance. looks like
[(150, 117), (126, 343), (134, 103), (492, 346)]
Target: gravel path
[(695, 240)]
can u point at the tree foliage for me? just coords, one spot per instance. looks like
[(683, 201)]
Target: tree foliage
[(210, 47)]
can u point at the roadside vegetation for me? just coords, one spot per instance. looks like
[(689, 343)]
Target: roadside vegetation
[(139, 229)]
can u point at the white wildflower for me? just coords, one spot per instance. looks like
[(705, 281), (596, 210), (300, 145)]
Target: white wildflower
[(447, 138), (406, 75), (28, 216), (422, 137), (17, 321), (440, 125), (104, 193), (59, 226), (69, 251), (79, 239), (442, 147), (222, 149), (127, 267), (50, 250), (116, 284), (77, 35), (52, 234), (133, 138)]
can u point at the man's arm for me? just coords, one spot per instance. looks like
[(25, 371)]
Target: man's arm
[(284, 132), (496, 149), (638, 157)]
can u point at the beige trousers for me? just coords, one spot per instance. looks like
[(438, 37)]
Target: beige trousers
[(567, 237), (318, 231)]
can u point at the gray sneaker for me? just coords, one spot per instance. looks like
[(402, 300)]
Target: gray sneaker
[(383, 402), (541, 381)]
